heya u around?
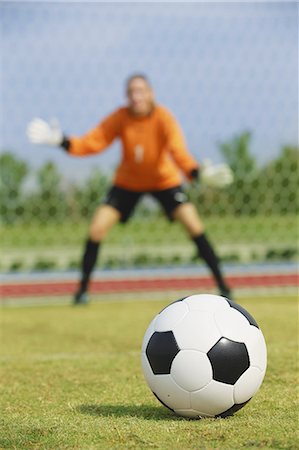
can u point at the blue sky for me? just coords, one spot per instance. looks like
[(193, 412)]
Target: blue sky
[(221, 68)]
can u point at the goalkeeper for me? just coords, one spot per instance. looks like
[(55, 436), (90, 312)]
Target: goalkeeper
[(154, 155)]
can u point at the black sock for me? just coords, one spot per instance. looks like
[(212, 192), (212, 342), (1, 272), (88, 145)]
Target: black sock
[(88, 262), (206, 252)]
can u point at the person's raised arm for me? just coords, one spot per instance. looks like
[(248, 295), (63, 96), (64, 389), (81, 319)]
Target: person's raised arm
[(209, 174), (46, 133), (96, 140), (176, 145)]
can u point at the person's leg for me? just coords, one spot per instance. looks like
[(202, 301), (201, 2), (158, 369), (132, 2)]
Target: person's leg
[(103, 220), (118, 206), (187, 215)]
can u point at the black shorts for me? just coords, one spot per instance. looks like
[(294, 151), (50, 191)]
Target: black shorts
[(125, 201)]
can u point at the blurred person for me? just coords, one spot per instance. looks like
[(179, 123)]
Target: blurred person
[(154, 158)]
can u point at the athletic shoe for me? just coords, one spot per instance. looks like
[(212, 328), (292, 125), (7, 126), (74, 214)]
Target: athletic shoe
[(81, 298)]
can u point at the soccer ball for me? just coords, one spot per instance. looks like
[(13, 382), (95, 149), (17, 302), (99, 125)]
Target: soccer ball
[(204, 356)]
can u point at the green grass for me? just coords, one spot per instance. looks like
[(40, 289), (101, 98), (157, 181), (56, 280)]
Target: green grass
[(152, 230), (147, 241), (71, 379)]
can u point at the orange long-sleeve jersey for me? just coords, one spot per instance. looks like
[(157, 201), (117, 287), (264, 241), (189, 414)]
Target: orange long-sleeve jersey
[(153, 149)]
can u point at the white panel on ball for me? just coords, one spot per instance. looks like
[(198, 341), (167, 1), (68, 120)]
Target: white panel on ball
[(213, 399), (165, 387), (191, 414), (257, 349), (150, 330), (248, 384), (206, 302), (191, 370), (171, 316), (170, 393), (197, 331), (147, 371), (232, 324)]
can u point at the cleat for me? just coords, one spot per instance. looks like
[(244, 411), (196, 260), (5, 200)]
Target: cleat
[(81, 298)]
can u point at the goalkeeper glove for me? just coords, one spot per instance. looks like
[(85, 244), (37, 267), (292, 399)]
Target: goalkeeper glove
[(42, 132), (216, 175)]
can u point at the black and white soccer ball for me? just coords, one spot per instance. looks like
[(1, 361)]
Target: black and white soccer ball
[(204, 356)]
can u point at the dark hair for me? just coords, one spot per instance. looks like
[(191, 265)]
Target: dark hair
[(137, 75)]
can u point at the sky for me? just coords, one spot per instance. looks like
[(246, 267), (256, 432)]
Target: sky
[(221, 68)]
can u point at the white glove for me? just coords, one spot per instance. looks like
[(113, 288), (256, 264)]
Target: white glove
[(41, 132), (219, 175)]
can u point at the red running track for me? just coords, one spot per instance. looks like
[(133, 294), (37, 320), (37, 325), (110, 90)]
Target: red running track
[(48, 288)]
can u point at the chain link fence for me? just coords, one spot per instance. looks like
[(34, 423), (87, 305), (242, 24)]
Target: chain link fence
[(223, 69)]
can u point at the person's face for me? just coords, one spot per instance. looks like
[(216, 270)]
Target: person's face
[(140, 97)]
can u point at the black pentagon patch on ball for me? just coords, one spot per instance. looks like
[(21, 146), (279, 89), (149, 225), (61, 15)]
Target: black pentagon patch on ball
[(161, 351), (229, 359), (243, 311)]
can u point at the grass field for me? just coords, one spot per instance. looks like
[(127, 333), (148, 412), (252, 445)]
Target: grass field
[(71, 379), (227, 229), (146, 241)]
